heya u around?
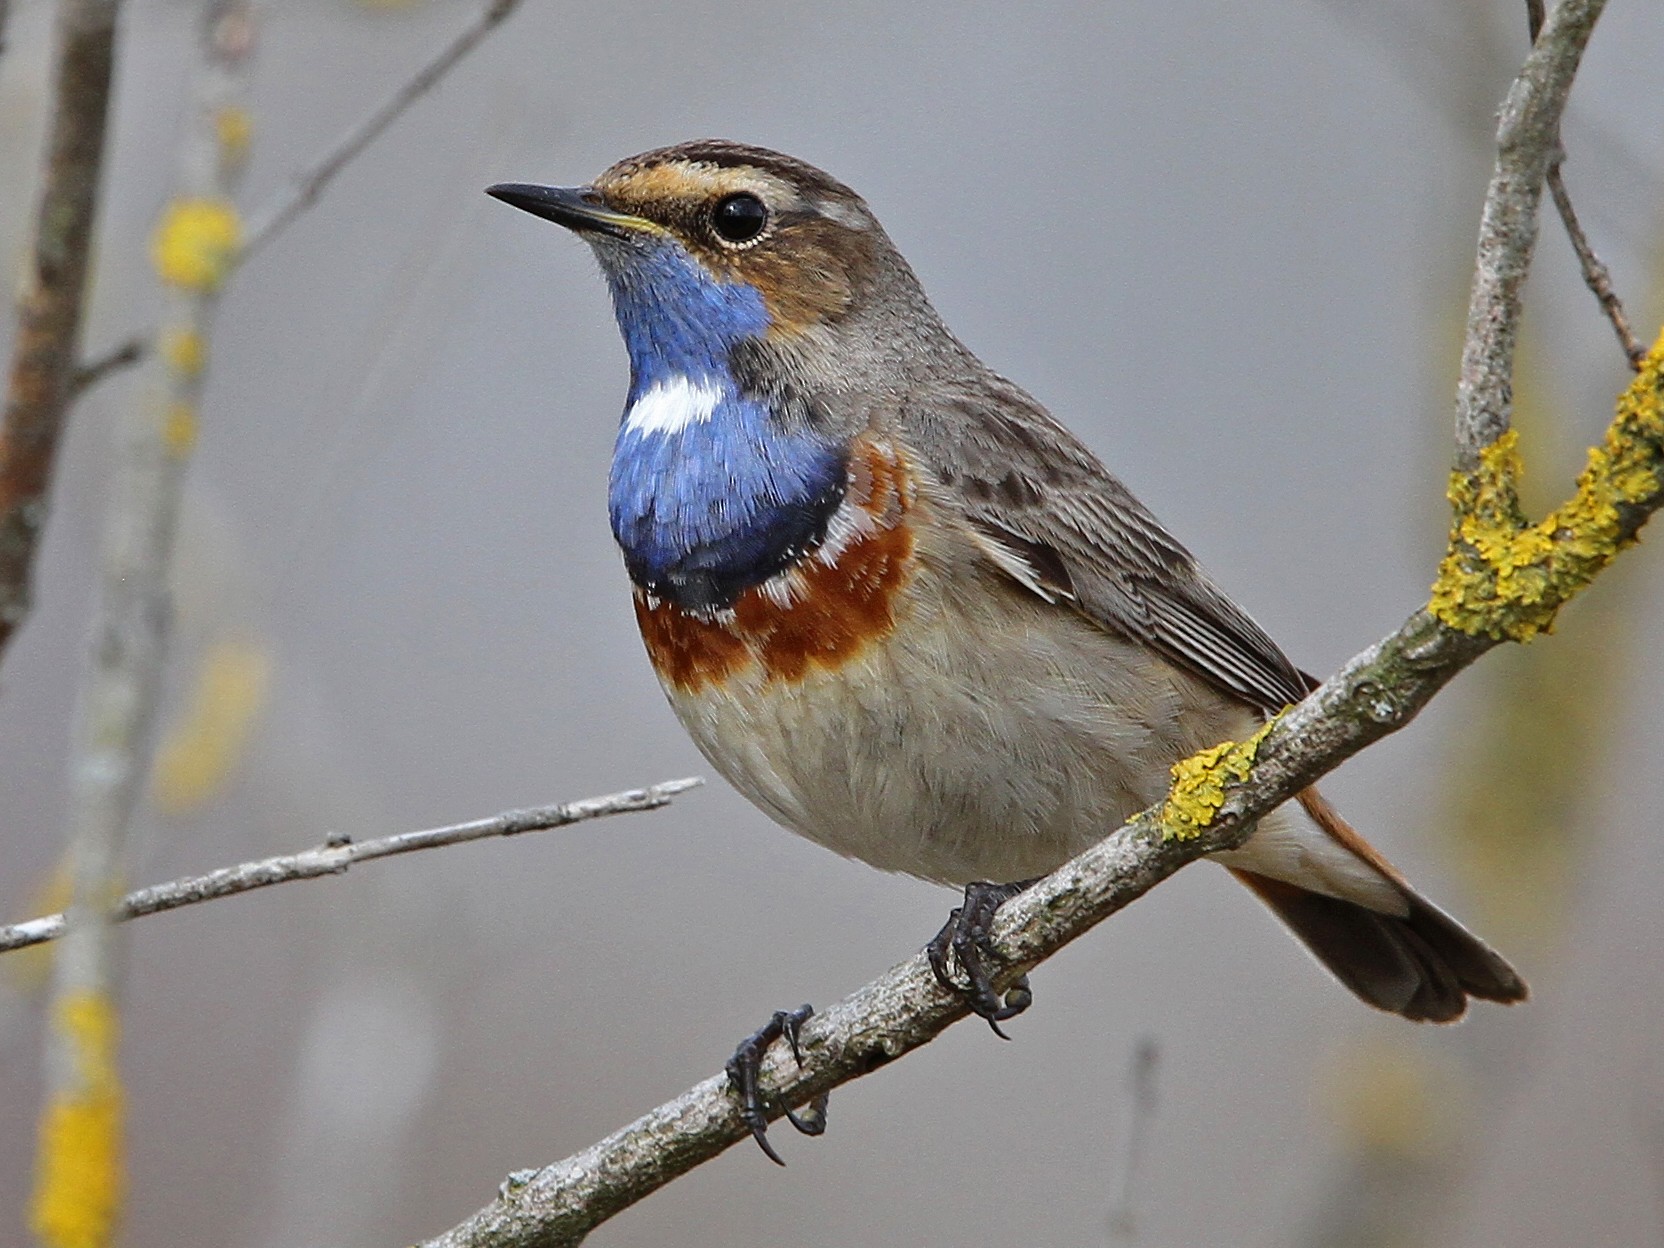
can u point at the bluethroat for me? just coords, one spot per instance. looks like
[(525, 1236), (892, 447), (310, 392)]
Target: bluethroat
[(904, 610)]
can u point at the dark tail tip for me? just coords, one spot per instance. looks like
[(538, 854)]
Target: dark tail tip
[(1422, 965)]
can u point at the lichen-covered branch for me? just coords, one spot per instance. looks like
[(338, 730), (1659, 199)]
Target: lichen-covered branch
[(46, 352), (78, 1175), (1216, 798), (338, 853), (1505, 578)]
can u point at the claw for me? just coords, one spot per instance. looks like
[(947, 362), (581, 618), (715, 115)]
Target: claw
[(965, 936), (744, 1067)]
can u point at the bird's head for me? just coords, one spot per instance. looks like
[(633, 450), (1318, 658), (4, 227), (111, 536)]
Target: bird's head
[(711, 243)]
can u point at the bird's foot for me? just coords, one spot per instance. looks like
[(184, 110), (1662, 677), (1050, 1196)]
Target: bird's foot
[(965, 935), (747, 1063)]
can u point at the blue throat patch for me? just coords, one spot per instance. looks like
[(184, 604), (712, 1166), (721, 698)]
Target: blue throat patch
[(709, 509)]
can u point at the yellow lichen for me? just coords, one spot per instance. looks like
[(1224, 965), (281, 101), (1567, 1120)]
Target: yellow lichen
[(1505, 578), (1394, 1099), (234, 128), (78, 1187), (202, 749), (179, 429), (1200, 783), (184, 351), (196, 243)]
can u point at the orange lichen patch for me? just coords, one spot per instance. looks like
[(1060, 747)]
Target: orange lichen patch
[(839, 600)]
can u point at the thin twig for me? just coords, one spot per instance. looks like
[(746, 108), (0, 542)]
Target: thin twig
[(112, 361), (50, 308), (1596, 276), (306, 188), (1527, 139), (335, 855)]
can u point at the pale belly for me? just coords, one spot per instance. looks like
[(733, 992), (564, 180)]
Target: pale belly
[(988, 735)]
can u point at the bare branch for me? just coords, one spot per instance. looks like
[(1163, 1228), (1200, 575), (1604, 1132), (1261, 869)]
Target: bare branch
[(334, 856), (1528, 137), (112, 361), (1596, 276), (50, 308), (306, 188)]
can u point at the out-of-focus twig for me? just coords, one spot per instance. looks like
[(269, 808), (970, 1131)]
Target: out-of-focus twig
[(112, 361), (50, 307), (1140, 1117), (307, 186), (338, 853), (270, 221), (78, 1176)]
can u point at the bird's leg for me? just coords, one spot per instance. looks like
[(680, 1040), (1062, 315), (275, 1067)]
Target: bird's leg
[(747, 1062), (965, 935)]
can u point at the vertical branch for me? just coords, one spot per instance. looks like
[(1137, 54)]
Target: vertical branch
[(78, 1186), (49, 310), (1527, 139)]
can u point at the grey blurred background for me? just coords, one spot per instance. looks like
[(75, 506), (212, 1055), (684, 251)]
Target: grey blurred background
[(1229, 244)]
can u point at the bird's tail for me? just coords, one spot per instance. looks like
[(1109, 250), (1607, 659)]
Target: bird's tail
[(1393, 948)]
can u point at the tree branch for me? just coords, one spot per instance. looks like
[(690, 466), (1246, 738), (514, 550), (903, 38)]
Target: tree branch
[(1596, 276), (50, 308), (1509, 577), (335, 855), (306, 187), (95, 370), (1527, 139)]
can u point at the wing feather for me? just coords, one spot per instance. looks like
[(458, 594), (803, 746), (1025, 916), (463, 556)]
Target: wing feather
[(1053, 518)]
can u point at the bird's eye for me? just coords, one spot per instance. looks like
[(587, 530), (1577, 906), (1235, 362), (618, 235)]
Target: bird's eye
[(739, 218)]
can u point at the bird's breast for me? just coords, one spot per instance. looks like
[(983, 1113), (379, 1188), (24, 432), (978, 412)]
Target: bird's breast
[(819, 613)]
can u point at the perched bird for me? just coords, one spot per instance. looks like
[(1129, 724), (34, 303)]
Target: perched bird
[(904, 610)]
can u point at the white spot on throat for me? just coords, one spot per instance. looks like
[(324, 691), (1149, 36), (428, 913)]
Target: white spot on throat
[(671, 406)]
